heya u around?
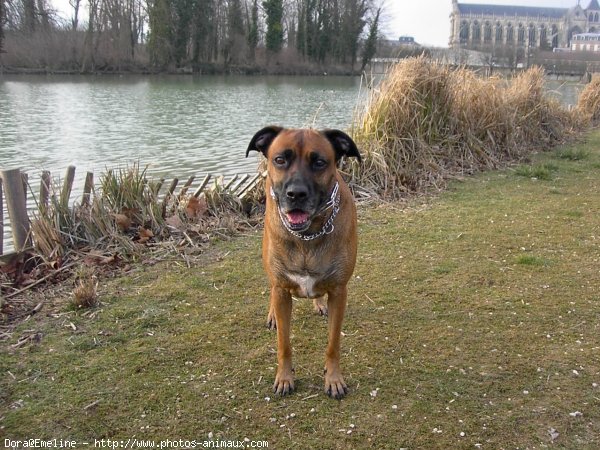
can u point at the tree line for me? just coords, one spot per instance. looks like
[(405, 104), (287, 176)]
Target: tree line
[(188, 34)]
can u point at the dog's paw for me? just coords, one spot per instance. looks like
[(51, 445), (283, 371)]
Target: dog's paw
[(271, 322), (321, 306), (335, 386), (284, 383)]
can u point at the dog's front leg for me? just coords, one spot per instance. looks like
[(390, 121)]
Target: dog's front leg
[(334, 382), (281, 300)]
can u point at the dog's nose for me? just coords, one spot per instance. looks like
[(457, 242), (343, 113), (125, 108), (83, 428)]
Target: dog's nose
[(296, 193)]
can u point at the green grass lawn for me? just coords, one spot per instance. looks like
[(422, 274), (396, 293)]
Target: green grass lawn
[(473, 322)]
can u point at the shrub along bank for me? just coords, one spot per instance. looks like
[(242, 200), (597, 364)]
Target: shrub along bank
[(428, 122)]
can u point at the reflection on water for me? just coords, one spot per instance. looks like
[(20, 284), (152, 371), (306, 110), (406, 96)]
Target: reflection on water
[(567, 92), (179, 126)]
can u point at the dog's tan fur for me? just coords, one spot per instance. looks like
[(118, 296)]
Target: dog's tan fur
[(313, 268)]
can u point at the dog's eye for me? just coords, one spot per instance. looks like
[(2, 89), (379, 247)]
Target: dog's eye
[(279, 160), (319, 164)]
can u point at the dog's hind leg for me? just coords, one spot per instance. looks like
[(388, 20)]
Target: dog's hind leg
[(271, 321), (321, 306)]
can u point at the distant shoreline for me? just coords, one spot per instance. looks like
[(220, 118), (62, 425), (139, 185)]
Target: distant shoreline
[(278, 69)]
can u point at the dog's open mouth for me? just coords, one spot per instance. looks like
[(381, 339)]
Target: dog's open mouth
[(297, 219)]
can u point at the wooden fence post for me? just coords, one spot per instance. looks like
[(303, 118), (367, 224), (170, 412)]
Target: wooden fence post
[(159, 186), (228, 185), (25, 178), (17, 207), (168, 195), (186, 186), (44, 191), (202, 186), (238, 185), (253, 182), (87, 189), (67, 186)]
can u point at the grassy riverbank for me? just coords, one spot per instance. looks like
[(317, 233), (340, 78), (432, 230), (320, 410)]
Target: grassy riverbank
[(472, 321)]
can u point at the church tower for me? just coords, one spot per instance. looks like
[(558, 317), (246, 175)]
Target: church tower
[(593, 17), (454, 24)]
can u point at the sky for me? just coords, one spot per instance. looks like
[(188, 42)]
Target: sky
[(428, 21)]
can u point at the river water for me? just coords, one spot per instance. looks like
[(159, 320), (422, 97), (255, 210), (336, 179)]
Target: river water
[(177, 125)]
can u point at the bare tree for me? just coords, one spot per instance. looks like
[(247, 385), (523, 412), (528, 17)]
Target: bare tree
[(182, 33), (75, 4), (2, 21)]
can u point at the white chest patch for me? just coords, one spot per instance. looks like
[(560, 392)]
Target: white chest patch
[(306, 285)]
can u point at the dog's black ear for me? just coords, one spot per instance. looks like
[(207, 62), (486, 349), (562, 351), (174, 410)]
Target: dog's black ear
[(261, 140), (342, 144)]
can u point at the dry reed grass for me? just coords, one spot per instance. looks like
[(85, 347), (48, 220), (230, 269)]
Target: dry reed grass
[(127, 213), (85, 292), (58, 227), (588, 104), (429, 122)]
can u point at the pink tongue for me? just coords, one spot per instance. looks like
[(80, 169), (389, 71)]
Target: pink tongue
[(297, 217)]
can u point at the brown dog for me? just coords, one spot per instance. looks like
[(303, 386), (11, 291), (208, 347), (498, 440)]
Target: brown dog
[(309, 242)]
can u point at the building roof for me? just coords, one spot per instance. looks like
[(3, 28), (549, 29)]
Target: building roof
[(507, 10), (582, 36), (593, 5)]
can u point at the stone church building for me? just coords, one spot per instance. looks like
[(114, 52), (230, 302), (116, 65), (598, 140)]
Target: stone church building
[(496, 28)]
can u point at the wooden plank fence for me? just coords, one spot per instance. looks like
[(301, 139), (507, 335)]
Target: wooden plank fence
[(14, 187)]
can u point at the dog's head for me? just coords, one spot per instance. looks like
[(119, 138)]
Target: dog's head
[(302, 167)]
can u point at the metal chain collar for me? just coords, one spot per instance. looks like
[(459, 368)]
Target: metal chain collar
[(328, 227)]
